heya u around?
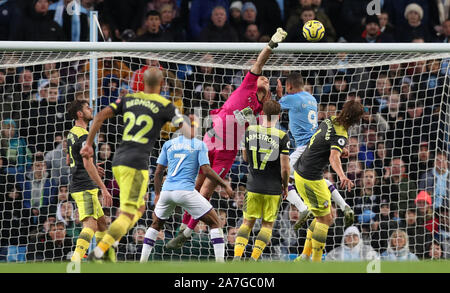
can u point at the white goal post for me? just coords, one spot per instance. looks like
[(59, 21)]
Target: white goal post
[(405, 88)]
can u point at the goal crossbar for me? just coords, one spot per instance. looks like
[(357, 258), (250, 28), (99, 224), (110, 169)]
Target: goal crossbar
[(226, 47)]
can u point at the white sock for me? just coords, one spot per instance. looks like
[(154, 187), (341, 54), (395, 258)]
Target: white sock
[(149, 243), (183, 226), (98, 252), (216, 236), (295, 199), (336, 196), (187, 232)]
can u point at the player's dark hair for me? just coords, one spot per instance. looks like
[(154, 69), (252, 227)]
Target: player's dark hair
[(295, 79), (350, 114), (74, 107), (271, 108)]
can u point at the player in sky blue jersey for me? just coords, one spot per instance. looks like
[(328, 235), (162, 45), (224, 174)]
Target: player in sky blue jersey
[(302, 107), (184, 156)]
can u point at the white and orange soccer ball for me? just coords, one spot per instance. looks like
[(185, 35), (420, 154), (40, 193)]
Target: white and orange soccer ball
[(313, 31)]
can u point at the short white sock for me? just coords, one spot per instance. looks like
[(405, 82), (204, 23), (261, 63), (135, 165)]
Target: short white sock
[(149, 243), (98, 252), (183, 226), (336, 196), (216, 236), (187, 232), (295, 199)]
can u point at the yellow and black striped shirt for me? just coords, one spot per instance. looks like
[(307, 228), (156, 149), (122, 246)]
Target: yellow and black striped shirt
[(315, 159), (143, 116), (79, 179), (264, 146)]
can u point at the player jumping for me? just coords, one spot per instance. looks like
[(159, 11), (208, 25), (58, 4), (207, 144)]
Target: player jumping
[(302, 107), (326, 145), (267, 151), (223, 140), (184, 156), (144, 113)]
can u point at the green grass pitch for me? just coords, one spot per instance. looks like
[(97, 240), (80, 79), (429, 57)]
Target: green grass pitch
[(231, 267)]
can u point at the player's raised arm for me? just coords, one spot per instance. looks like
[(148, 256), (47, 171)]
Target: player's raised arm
[(106, 113), (278, 37)]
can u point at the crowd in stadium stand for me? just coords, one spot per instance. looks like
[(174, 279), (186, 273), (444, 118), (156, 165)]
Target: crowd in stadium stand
[(398, 156)]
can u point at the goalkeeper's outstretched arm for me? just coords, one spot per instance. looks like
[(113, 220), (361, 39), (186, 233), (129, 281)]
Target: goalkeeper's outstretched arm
[(278, 37)]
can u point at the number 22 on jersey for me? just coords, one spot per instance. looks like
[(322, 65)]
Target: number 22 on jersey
[(132, 122)]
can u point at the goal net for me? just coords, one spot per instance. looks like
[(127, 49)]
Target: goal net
[(398, 155)]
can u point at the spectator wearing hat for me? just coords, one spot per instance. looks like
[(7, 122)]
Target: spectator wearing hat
[(436, 181), (154, 32), (352, 248), (200, 15), (219, 30), (373, 33), (424, 205), (396, 10), (236, 15), (248, 16), (415, 27)]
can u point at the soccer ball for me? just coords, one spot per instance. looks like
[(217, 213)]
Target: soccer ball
[(313, 31)]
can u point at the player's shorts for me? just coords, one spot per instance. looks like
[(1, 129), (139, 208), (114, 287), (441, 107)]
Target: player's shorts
[(88, 204), (293, 158), (221, 161), (192, 201), (133, 184), (258, 205), (315, 194)]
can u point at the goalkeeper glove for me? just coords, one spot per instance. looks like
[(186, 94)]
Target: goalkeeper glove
[(243, 116), (277, 37)]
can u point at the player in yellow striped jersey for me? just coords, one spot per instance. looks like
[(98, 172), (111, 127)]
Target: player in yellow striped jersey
[(85, 182), (144, 113)]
